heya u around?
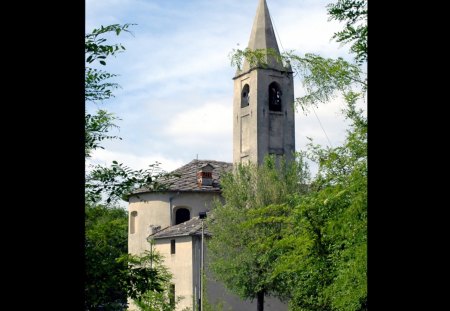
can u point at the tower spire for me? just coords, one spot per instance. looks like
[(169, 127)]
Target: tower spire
[(263, 36), (263, 101)]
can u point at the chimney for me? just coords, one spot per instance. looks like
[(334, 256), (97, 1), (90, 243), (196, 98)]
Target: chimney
[(153, 229), (204, 176)]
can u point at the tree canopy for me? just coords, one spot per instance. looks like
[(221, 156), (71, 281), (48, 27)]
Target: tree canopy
[(112, 274), (249, 223), (109, 184), (310, 248)]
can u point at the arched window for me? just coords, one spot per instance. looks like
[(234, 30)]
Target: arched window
[(133, 216), (245, 98), (182, 215), (274, 97)]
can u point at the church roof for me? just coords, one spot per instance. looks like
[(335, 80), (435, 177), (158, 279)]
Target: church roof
[(263, 36), (190, 227), (187, 180)]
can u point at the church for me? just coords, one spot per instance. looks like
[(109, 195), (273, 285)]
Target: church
[(263, 123)]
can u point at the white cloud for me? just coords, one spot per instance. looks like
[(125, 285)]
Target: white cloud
[(177, 89), (105, 157), (206, 129)]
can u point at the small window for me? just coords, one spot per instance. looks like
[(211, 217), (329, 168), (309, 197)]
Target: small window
[(172, 295), (172, 246), (274, 97), (245, 99), (133, 216)]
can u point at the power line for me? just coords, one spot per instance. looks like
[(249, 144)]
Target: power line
[(276, 32), (281, 44), (322, 126)]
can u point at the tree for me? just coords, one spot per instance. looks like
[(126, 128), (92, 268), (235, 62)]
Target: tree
[(98, 86), (105, 241), (354, 13), (161, 298), (111, 274), (324, 78), (322, 250), (117, 181), (241, 251), (109, 184)]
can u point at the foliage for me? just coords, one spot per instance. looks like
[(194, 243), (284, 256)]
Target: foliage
[(323, 78), (118, 181), (321, 246), (96, 128), (141, 276), (241, 252), (327, 267), (97, 86), (105, 241), (160, 298), (306, 244), (255, 58), (112, 275), (354, 13), (109, 184)]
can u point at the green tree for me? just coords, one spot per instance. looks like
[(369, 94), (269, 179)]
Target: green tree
[(105, 241), (112, 275), (108, 184), (354, 14), (324, 250), (324, 78), (162, 298), (98, 85), (241, 251), (117, 181)]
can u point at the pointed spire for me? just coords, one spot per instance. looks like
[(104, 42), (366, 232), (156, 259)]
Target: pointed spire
[(263, 36)]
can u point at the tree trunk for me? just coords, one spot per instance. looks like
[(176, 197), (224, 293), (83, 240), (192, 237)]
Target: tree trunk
[(260, 301)]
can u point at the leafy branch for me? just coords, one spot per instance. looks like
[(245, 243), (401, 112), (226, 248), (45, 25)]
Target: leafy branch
[(96, 127), (118, 181)]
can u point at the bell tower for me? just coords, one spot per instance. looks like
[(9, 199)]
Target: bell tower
[(263, 104)]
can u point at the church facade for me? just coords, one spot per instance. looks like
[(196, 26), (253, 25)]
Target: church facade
[(172, 220)]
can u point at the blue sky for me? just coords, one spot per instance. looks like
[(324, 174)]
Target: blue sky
[(175, 99)]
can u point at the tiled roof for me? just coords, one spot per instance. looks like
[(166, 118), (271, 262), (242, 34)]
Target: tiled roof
[(190, 227), (188, 176)]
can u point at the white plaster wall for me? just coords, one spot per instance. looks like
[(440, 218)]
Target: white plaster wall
[(154, 209), (180, 264)]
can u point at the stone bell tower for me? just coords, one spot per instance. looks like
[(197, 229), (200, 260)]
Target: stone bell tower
[(263, 105)]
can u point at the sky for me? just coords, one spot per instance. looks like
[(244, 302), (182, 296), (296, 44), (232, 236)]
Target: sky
[(176, 96)]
